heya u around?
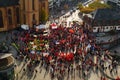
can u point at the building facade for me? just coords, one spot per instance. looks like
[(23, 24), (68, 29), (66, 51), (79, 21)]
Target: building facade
[(17, 12), (9, 14), (31, 11), (103, 20), (105, 24)]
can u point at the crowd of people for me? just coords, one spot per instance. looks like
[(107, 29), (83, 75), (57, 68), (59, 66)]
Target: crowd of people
[(65, 51)]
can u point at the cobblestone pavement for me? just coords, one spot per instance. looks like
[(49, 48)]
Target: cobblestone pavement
[(21, 75), (43, 75)]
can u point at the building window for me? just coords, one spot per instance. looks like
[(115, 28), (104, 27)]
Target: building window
[(106, 27), (23, 4), (40, 16), (17, 15), (33, 16), (33, 4), (24, 19), (34, 20), (43, 4), (110, 27), (1, 20), (119, 27), (9, 16)]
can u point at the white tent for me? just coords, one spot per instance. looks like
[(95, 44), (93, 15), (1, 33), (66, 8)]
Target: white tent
[(53, 26), (41, 26), (25, 27)]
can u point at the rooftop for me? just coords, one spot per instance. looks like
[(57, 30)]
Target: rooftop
[(4, 3), (107, 14), (106, 17)]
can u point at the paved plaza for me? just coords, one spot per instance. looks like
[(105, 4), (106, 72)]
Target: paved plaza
[(43, 72), (42, 75)]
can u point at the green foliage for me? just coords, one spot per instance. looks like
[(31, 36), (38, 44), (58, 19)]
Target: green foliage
[(86, 10), (97, 5), (93, 6), (16, 46), (80, 6), (43, 16)]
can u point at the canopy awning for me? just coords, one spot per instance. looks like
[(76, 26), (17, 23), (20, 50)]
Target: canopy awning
[(25, 27), (41, 26)]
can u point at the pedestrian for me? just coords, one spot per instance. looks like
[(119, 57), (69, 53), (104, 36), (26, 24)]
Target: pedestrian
[(24, 69), (36, 71), (68, 70), (111, 71)]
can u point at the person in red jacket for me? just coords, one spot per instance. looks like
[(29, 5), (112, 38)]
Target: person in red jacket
[(117, 78), (103, 78)]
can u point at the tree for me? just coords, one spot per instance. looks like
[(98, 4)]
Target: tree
[(93, 6), (98, 5), (86, 10), (80, 6), (43, 16)]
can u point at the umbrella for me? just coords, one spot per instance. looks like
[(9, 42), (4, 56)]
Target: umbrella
[(41, 26), (69, 56), (53, 26), (71, 30)]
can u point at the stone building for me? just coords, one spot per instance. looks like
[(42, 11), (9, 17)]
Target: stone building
[(9, 14), (31, 11), (17, 12)]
